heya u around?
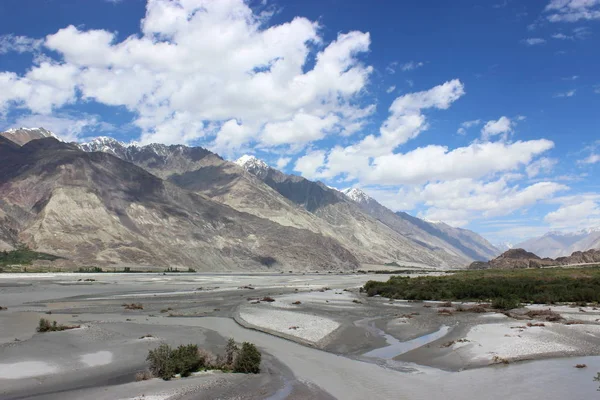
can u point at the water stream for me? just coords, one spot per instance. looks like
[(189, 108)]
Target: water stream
[(394, 346)]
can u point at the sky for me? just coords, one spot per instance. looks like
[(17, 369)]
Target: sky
[(481, 114)]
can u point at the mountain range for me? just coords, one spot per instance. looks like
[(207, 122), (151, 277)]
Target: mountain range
[(558, 244), (106, 202)]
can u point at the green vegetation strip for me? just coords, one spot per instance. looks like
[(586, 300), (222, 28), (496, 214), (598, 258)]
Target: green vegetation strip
[(548, 286), (23, 256)]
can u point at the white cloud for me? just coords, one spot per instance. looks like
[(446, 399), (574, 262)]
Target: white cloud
[(302, 128), (433, 162), (19, 44), (462, 130), (561, 36), (463, 200), (591, 159), (411, 65), (533, 41), (282, 162), (406, 121), (583, 214), (573, 10), (569, 93), (201, 64), (308, 164), (390, 89), (503, 126), (543, 165)]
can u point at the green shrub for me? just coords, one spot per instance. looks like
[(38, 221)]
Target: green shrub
[(166, 362), (187, 360), (248, 359), (161, 362)]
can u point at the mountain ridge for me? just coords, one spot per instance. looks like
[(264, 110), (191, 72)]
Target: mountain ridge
[(110, 211), (250, 186)]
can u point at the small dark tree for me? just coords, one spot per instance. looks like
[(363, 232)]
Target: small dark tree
[(248, 360), (187, 360), (597, 379), (231, 352)]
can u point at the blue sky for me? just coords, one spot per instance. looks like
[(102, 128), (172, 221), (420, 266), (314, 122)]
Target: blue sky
[(482, 114)]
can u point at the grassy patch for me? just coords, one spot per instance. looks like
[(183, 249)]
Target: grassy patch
[(505, 288)]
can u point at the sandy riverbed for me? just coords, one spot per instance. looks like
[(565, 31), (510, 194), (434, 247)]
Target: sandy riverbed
[(362, 347)]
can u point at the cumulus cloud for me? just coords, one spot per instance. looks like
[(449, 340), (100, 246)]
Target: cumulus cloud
[(572, 10), (390, 89), (503, 126), (591, 159), (200, 67)]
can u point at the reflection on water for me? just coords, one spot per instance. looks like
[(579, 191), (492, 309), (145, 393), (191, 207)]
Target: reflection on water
[(396, 347)]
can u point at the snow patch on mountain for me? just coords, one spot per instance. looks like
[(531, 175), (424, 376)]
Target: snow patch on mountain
[(253, 165), (357, 195)]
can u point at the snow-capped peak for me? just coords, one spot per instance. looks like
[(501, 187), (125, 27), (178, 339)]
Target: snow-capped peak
[(253, 165), (357, 195), (104, 144)]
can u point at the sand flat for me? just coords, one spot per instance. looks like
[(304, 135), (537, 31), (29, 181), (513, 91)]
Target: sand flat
[(311, 328)]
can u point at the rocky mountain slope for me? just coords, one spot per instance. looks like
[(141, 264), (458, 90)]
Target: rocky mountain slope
[(97, 208), (452, 246), (520, 258), (251, 186), (368, 231), (556, 244)]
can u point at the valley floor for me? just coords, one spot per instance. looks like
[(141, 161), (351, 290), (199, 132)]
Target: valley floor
[(320, 339)]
